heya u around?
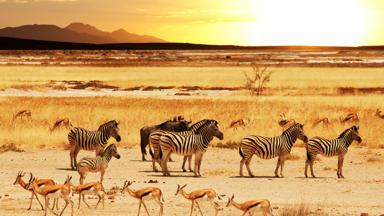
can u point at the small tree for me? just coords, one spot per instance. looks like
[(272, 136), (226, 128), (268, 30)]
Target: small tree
[(256, 81)]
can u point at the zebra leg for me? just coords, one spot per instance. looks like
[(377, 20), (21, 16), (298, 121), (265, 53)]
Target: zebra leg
[(247, 164), (201, 159), (189, 163), (75, 153), (277, 167), (154, 159), (82, 177), (164, 163), (282, 166), (72, 155), (197, 162), (311, 165), (102, 175), (183, 166), (340, 166)]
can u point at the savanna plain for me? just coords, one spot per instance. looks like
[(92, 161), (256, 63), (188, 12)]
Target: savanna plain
[(135, 97)]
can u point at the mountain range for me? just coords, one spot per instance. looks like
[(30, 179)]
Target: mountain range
[(76, 33)]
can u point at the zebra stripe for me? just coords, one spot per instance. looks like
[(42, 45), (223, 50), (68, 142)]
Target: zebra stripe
[(171, 142), (80, 138), (94, 162), (97, 164), (330, 148), (270, 147), (154, 138)]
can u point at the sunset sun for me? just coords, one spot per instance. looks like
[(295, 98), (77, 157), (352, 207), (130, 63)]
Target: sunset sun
[(302, 22)]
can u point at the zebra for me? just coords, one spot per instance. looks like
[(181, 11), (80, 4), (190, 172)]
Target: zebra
[(270, 147), (154, 141), (176, 124), (80, 138), (333, 147), (97, 164), (197, 144)]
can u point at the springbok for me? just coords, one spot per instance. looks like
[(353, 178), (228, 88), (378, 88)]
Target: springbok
[(284, 122), (91, 188), (235, 124), (249, 206), (145, 193), (40, 182), (379, 114), (350, 117), (53, 192), (324, 121), (194, 196), (63, 122), (21, 114)]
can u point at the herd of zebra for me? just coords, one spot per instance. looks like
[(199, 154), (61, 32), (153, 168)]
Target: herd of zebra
[(179, 137)]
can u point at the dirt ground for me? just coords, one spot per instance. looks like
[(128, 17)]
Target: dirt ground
[(361, 191)]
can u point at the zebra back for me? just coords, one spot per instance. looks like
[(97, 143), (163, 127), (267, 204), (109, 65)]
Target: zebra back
[(270, 147), (332, 147), (105, 157), (90, 140), (190, 143)]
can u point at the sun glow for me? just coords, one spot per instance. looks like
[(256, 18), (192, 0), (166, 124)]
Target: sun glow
[(306, 22)]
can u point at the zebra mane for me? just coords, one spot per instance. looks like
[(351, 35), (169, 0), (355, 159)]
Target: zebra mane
[(344, 132), (110, 123), (108, 148), (198, 124), (290, 128), (166, 122)]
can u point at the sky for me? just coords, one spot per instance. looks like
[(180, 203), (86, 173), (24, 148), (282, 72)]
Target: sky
[(239, 22)]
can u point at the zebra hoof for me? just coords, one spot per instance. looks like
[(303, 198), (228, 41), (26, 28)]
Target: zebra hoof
[(184, 170)]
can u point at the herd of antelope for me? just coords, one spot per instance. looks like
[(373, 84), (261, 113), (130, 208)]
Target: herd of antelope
[(177, 136)]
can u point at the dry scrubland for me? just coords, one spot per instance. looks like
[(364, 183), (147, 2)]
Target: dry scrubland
[(287, 80), (133, 113), (301, 93)]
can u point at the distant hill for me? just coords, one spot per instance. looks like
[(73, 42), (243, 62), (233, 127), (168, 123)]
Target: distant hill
[(29, 44), (75, 33)]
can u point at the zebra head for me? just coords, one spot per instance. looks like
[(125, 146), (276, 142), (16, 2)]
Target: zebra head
[(297, 130), (110, 151), (212, 129), (111, 129), (20, 175), (179, 189), (353, 132)]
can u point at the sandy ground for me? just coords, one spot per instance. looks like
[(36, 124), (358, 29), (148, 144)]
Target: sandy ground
[(361, 191)]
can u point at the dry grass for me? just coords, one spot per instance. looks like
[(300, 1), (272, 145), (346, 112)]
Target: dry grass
[(134, 113), (287, 80), (301, 209)]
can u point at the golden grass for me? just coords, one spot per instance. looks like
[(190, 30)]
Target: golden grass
[(301, 209), (283, 79), (134, 113)]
